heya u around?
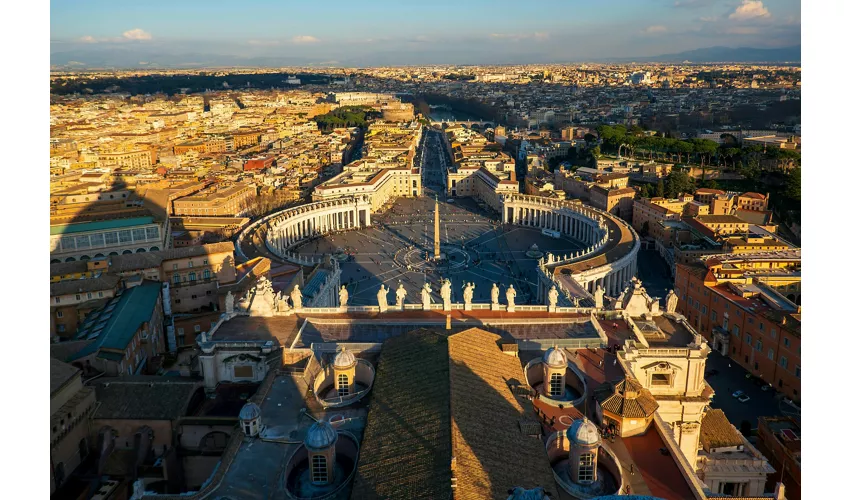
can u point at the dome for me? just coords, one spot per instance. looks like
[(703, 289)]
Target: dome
[(249, 412), (320, 435), (555, 356), (583, 432), (344, 359)]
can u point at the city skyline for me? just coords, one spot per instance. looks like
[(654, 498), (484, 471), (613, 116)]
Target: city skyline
[(344, 34)]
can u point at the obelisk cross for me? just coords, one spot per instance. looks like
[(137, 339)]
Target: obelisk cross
[(436, 229)]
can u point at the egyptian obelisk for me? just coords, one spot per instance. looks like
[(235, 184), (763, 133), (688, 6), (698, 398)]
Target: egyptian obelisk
[(436, 228)]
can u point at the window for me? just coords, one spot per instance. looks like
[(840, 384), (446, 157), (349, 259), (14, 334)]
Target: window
[(88, 295), (761, 326), (690, 301), (206, 274), (319, 470), (660, 380), (749, 339), (770, 354), (713, 315), (555, 384), (139, 234), (797, 371), (176, 279), (206, 261), (125, 237), (783, 362), (192, 276), (585, 467), (174, 267), (59, 314), (197, 328), (758, 345), (750, 320), (704, 310), (787, 342), (756, 367), (343, 384), (61, 328), (58, 300), (77, 296), (191, 264), (152, 233), (111, 238), (738, 312), (180, 331), (773, 333)]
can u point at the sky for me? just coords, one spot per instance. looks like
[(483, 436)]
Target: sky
[(406, 32)]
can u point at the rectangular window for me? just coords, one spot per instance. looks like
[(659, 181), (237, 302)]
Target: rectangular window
[(797, 371), (783, 362), (111, 238), (61, 328), (713, 315), (206, 261), (750, 320), (83, 242), (748, 339), (125, 237), (773, 333), (67, 243), (758, 345), (152, 233), (761, 326), (180, 331), (787, 342), (191, 264), (96, 240), (77, 297), (703, 309), (735, 330), (174, 267), (197, 328), (88, 295), (58, 300), (770, 354), (100, 294), (738, 312), (660, 380), (139, 234)]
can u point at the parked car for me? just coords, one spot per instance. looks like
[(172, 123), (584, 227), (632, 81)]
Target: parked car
[(737, 394), (744, 398)]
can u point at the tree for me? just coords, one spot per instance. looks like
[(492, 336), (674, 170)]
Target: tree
[(588, 138), (679, 182), (659, 189)]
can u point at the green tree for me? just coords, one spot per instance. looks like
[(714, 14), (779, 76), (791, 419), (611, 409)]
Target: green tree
[(659, 189), (679, 182)]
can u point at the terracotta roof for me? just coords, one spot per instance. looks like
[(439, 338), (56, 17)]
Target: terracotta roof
[(717, 432), (750, 194), (627, 398)]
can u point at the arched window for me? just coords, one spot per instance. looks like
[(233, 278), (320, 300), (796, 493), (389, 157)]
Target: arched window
[(70, 259), (343, 384), (206, 274), (85, 257), (126, 252), (176, 279), (55, 261), (319, 471), (154, 249), (140, 250), (192, 276), (555, 384), (585, 467)]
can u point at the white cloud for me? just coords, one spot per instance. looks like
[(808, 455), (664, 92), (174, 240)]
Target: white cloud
[(749, 9), (654, 30), (304, 39), (137, 34), (88, 39)]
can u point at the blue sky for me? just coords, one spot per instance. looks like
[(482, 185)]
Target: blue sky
[(395, 32)]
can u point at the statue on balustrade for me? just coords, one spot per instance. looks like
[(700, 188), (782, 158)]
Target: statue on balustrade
[(553, 296), (296, 297), (343, 296), (383, 304), (494, 295), (426, 296), (510, 294), (446, 294), (400, 294), (468, 291)]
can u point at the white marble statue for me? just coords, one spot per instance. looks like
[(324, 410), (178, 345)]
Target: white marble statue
[(228, 303), (510, 294), (672, 301), (400, 294), (343, 296), (383, 304), (553, 297), (598, 297), (426, 297), (468, 292), (296, 297), (446, 294), (494, 295)]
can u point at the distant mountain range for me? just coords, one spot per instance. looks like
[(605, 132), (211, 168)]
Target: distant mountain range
[(111, 57), (724, 54)]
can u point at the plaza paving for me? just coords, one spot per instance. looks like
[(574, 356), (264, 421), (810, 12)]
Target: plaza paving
[(404, 235)]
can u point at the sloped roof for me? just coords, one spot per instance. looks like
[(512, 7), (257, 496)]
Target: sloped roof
[(626, 398), (144, 397), (717, 432), (60, 374)]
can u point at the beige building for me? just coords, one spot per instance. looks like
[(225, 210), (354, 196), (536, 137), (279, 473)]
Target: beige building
[(216, 201), (71, 405)]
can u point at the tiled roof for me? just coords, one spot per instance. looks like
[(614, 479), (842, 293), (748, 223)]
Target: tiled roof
[(627, 398), (492, 454), (717, 432), (102, 282), (144, 397), (60, 374), (406, 451)]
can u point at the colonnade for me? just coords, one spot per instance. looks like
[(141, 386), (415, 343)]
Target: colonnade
[(296, 224)]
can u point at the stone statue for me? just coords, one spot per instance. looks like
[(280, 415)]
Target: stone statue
[(467, 296), (494, 296), (383, 304), (296, 297), (426, 297), (598, 297), (672, 301), (343, 296), (400, 294), (553, 297), (228, 303), (446, 294), (510, 294)]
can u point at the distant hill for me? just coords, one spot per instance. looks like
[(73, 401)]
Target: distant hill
[(725, 54)]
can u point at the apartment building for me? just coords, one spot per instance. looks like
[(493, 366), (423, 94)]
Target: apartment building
[(216, 201)]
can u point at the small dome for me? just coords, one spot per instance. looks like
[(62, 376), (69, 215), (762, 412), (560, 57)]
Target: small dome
[(320, 436), (555, 356), (249, 412), (583, 432), (344, 359)]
